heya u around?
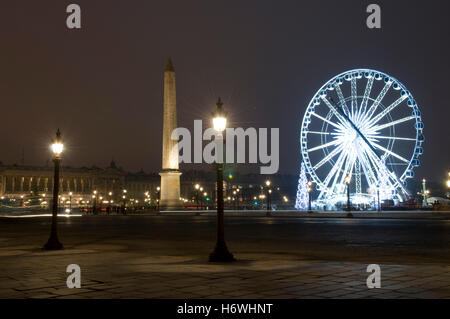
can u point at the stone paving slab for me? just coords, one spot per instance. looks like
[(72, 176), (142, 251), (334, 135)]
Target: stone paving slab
[(107, 275), (163, 260)]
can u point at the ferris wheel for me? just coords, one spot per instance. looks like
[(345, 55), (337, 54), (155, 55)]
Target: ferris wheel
[(362, 128)]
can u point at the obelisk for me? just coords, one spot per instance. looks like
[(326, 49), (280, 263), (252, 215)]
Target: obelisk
[(170, 175)]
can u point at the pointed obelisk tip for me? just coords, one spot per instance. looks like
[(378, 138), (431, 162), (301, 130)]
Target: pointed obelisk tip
[(169, 66)]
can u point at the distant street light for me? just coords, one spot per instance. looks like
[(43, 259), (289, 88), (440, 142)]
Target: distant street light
[(197, 188), (269, 191), (220, 253), (424, 193), (94, 203), (158, 191), (109, 203), (70, 201), (309, 196), (378, 196), (347, 181), (57, 148), (124, 198)]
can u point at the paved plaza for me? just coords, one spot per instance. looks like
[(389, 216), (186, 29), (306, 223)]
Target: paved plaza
[(166, 256)]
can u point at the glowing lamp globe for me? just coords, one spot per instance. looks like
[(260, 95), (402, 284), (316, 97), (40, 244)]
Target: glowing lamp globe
[(220, 123), (219, 117), (348, 179), (57, 148)]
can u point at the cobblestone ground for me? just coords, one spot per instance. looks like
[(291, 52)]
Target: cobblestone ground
[(120, 263)]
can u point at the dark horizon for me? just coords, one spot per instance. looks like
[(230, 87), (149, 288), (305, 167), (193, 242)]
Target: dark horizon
[(102, 85)]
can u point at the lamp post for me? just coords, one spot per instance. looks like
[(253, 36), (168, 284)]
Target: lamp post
[(204, 200), (309, 196), (158, 191), (124, 197), (57, 148), (197, 187), (220, 253), (109, 202), (378, 196), (101, 203), (347, 181), (94, 203), (63, 202), (424, 193), (201, 198), (268, 197), (70, 201)]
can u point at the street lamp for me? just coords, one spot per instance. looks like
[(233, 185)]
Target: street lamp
[(309, 196), (347, 181), (378, 196), (197, 187), (94, 203), (424, 193), (158, 192), (109, 203), (269, 191), (220, 253), (124, 198), (57, 148), (70, 201), (201, 198)]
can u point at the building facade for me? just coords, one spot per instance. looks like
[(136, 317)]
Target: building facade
[(18, 181)]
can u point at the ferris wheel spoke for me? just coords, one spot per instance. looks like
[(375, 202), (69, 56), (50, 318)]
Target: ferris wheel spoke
[(335, 169), (377, 118), (324, 133), (324, 146), (375, 137), (338, 168), (378, 100), (384, 171), (329, 156), (367, 167), (350, 161), (390, 152), (327, 121), (348, 167), (365, 99), (341, 98), (376, 128), (334, 111), (333, 172)]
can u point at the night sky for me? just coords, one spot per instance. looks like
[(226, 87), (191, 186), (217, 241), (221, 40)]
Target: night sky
[(102, 85)]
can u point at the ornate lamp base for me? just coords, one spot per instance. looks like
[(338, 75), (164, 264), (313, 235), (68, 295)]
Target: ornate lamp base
[(221, 254), (53, 244)]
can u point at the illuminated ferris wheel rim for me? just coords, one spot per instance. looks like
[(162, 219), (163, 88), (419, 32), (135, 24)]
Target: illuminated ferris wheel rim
[(368, 119)]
